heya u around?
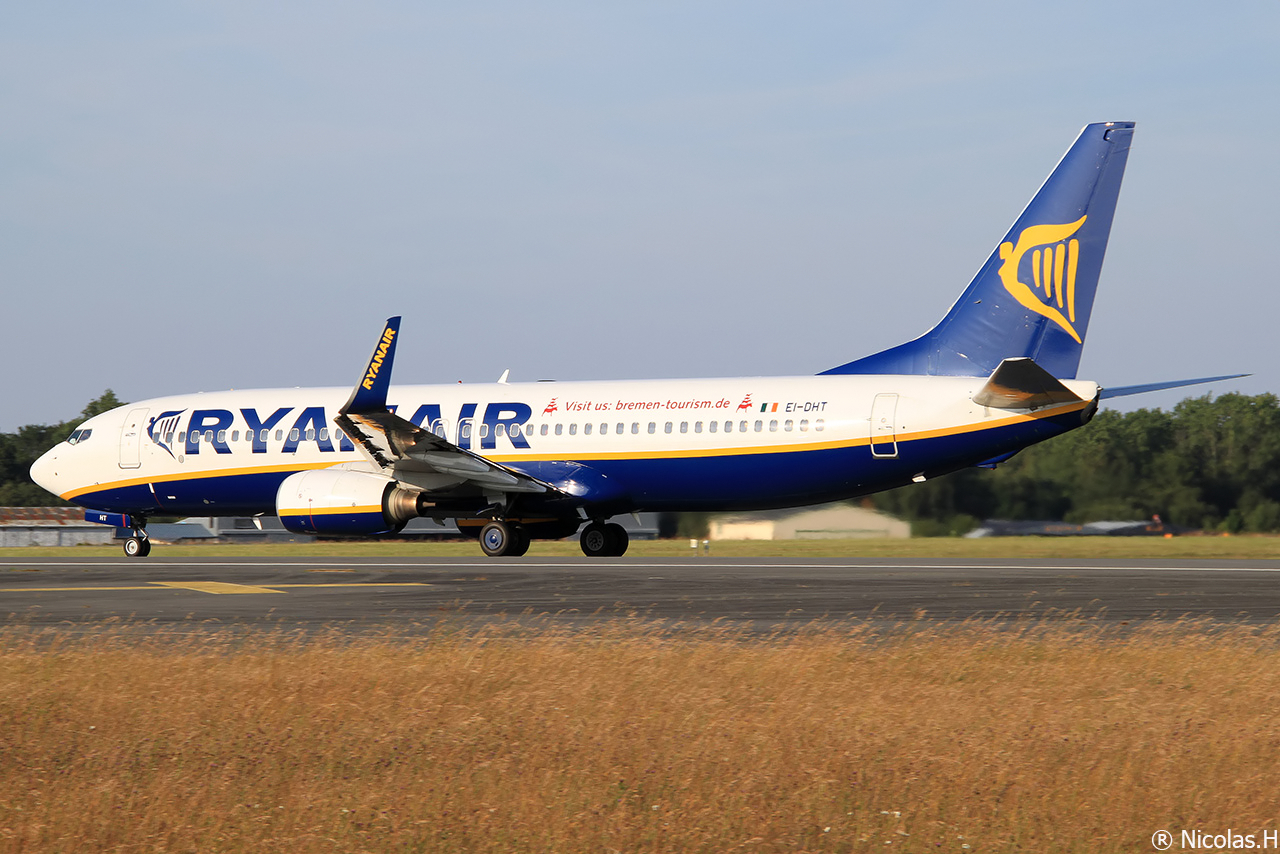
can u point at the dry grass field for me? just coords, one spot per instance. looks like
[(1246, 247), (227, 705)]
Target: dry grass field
[(1035, 737)]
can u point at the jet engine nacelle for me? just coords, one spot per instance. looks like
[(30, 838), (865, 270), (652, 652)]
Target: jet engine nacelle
[(336, 502)]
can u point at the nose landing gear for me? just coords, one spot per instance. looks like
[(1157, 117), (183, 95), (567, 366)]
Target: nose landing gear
[(137, 544)]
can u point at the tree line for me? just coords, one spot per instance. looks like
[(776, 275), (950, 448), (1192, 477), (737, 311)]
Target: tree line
[(20, 449), (1210, 463)]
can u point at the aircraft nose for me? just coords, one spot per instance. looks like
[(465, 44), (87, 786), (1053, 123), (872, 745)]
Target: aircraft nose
[(44, 471)]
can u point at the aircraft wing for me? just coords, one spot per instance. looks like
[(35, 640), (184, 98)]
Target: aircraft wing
[(406, 451)]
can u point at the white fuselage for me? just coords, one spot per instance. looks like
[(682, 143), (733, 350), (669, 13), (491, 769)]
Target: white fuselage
[(740, 442)]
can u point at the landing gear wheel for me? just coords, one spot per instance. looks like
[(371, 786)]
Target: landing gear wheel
[(499, 539), (521, 533), (137, 547), (620, 539), (601, 540)]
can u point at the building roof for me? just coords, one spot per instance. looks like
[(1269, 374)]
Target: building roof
[(45, 517)]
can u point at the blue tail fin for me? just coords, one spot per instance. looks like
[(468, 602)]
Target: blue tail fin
[(1033, 296)]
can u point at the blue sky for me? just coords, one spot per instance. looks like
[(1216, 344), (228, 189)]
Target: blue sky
[(202, 196)]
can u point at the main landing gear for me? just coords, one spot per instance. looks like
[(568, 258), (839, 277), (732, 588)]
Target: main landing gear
[(137, 543), (604, 540), (511, 539), (504, 539)]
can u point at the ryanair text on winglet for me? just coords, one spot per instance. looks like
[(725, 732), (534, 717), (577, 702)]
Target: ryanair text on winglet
[(375, 364)]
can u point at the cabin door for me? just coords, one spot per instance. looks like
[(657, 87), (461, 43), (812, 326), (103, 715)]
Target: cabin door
[(884, 438)]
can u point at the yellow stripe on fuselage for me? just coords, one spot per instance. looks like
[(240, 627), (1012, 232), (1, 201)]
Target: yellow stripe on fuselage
[(675, 453)]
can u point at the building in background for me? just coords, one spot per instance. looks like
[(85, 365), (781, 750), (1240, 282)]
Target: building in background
[(820, 522)]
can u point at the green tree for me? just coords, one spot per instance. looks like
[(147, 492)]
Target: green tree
[(20, 449)]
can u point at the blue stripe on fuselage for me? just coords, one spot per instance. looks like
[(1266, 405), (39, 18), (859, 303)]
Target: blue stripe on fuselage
[(730, 482)]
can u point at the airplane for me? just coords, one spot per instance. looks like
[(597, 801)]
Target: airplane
[(513, 462)]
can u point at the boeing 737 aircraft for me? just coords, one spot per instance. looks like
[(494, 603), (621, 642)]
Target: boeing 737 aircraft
[(513, 462)]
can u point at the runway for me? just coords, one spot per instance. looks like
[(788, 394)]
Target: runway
[(415, 594)]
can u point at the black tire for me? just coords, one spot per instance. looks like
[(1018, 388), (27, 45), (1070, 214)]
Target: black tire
[(137, 547), (498, 539), (601, 540), (595, 540), (522, 540), (620, 540)]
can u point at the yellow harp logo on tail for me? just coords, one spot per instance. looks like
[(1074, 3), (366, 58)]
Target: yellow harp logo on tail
[(1053, 269)]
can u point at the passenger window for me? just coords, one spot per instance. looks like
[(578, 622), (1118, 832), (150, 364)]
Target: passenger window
[(713, 426), (311, 434), (195, 438), (324, 434), (586, 429), (573, 429), (222, 437), (759, 426), (264, 434), (279, 435), (484, 430), (742, 427), (728, 426), (697, 426), (543, 430), (817, 425), (620, 428), (465, 429), (684, 426), (667, 428), (635, 428), (208, 436), (497, 430), (786, 425), (604, 429), (528, 429), (293, 435), (559, 429), (653, 427), (804, 425), (235, 435), (773, 426)]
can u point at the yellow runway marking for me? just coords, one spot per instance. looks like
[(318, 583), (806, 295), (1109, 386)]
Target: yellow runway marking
[(216, 587)]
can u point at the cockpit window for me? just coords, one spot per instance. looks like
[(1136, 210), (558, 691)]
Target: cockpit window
[(78, 436)]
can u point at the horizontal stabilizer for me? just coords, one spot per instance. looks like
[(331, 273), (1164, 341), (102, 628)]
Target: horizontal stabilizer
[(1126, 390), (1022, 384)]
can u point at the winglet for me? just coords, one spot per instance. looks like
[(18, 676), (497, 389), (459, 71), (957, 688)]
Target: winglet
[(370, 394), (1022, 384)]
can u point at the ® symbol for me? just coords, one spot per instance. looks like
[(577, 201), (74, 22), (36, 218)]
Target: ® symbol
[(1053, 270)]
